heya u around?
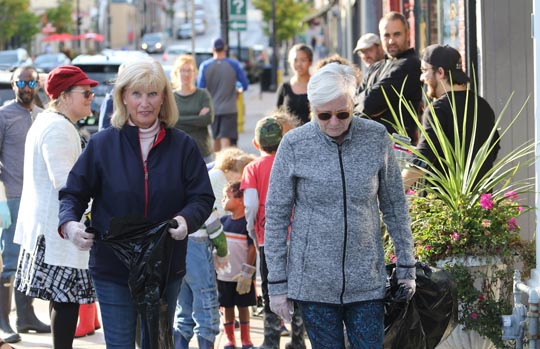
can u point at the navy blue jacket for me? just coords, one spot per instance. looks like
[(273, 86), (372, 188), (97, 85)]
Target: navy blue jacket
[(111, 172)]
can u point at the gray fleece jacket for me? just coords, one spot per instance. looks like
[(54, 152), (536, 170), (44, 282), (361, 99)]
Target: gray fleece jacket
[(336, 192)]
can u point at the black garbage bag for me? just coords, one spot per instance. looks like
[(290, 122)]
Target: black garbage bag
[(146, 248), (428, 318)]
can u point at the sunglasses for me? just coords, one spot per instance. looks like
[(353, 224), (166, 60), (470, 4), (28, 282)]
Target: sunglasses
[(340, 114), (87, 94), (21, 83)]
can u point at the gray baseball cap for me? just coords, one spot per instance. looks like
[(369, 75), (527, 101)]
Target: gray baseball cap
[(366, 41)]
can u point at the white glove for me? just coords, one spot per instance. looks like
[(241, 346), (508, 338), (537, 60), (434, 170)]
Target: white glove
[(410, 286), (76, 233), (244, 280), (221, 264), (282, 307), (180, 232)]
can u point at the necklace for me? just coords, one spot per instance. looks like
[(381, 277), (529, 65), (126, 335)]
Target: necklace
[(60, 113)]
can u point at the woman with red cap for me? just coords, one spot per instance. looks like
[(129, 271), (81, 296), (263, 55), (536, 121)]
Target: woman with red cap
[(52, 268)]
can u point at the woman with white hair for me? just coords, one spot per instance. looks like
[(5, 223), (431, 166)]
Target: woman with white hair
[(336, 173)]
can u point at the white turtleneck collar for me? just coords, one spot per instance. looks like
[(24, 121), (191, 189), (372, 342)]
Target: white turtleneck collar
[(147, 137)]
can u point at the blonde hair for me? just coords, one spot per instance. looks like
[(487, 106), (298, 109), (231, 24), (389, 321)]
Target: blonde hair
[(180, 61), (232, 159), (285, 118), (146, 74)]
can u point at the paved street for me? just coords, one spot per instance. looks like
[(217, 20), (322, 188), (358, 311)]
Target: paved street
[(257, 105)]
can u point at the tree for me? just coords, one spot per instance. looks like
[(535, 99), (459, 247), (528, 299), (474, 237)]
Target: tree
[(8, 24), (60, 17), (289, 16), (27, 27)]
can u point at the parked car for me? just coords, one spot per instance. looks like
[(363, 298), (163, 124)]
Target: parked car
[(11, 59), (202, 55), (154, 42), (172, 52), (102, 68), (185, 31), (48, 61), (250, 60)]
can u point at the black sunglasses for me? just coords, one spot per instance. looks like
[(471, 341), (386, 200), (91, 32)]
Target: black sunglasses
[(340, 114), (22, 83)]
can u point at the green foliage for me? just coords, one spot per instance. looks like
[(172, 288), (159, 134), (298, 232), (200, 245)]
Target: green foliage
[(482, 305), (487, 228), (289, 17), (13, 14), (60, 16), (28, 27)]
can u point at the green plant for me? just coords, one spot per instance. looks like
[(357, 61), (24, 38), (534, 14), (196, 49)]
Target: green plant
[(456, 212)]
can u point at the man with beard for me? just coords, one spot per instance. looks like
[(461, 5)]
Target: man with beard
[(447, 83), (398, 73), (16, 116)]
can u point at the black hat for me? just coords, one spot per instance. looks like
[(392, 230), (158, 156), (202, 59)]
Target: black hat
[(447, 58)]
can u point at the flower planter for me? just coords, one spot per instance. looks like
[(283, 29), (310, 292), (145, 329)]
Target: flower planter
[(460, 338)]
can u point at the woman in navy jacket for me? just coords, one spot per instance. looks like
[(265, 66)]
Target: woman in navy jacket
[(142, 166)]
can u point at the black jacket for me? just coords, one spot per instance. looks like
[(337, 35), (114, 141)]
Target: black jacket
[(389, 75)]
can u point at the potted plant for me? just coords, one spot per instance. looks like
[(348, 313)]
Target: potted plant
[(467, 223)]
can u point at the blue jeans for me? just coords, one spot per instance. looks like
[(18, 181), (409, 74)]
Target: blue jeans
[(119, 315), (364, 323), (197, 308), (10, 250)]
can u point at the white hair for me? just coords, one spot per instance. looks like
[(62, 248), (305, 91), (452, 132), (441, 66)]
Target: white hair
[(331, 82)]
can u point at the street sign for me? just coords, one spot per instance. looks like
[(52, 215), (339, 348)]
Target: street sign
[(237, 15)]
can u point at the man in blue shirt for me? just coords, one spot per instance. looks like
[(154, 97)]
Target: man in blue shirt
[(219, 75)]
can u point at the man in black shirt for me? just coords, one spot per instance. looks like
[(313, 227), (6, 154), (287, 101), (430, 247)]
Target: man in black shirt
[(447, 84), (400, 71)]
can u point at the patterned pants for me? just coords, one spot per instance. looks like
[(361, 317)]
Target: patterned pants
[(364, 324)]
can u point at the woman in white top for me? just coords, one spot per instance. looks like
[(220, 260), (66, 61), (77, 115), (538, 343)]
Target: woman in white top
[(50, 267)]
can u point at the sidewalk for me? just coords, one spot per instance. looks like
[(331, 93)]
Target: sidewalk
[(257, 105)]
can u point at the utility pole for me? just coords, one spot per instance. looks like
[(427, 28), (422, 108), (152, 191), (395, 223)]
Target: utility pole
[(273, 79), (78, 27), (224, 10)]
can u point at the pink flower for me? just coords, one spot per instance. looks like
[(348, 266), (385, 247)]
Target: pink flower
[(511, 195), (428, 247), (512, 224), (486, 202), (474, 316), (486, 223), (455, 236), (411, 191), (393, 258), (481, 298), (519, 208)]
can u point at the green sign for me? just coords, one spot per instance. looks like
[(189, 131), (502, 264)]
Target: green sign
[(237, 15)]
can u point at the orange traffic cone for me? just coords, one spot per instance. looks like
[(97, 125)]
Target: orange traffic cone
[(87, 320)]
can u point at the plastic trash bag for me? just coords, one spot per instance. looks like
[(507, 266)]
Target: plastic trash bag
[(428, 318), (146, 250)]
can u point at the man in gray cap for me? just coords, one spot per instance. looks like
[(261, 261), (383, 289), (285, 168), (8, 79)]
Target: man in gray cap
[(369, 49)]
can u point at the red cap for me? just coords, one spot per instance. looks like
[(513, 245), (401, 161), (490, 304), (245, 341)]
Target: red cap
[(63, 77)]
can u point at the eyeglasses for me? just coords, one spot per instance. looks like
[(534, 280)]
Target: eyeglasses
[(340, 114), (87, 94), (186, 71), (31, 83)]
